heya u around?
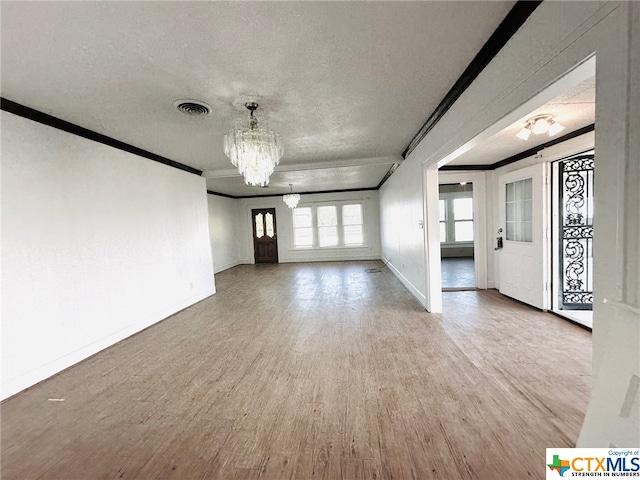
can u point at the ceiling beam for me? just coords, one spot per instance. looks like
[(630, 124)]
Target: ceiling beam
[(356, 162), (507, 28), (211, 192)]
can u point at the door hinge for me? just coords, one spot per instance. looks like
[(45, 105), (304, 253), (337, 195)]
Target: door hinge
[(546, 179)]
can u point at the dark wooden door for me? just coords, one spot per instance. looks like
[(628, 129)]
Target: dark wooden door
[(265, 237)]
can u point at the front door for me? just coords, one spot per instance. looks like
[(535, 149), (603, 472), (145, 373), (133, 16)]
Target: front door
[(524, 256), (265, 238)]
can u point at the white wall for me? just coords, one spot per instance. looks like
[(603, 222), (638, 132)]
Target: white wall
[(97, 244), (402, 235), (223, 226), (286, 252), (557, 37)]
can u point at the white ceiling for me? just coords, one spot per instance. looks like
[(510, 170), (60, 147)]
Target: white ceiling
[(345, 83), (575, 109)]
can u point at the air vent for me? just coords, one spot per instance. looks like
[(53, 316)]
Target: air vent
[(193, 108)]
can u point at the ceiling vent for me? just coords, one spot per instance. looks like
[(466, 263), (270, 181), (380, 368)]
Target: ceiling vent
[(193, 108)]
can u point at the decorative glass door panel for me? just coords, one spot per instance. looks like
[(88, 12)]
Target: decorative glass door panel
[(576, 233)]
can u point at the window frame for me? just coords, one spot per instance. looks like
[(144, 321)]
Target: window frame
[(340, 226), (519, 221)]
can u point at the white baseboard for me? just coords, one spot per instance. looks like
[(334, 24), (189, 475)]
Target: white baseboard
[(53, 367), (414, 291), (226, 266)]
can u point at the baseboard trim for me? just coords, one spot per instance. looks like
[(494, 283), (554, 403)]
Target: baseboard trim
[(226, 266), (408, 285), (54, 367)]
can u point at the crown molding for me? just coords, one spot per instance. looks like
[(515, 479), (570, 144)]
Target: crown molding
[(51, 121)]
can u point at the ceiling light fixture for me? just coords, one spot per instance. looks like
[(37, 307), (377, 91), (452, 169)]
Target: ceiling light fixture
[(291, 199), (540, 124), (254, 149)]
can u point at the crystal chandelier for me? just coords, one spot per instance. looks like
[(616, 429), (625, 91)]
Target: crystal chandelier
[(291, 199), (254, 149)]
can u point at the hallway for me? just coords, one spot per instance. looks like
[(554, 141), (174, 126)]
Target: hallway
[(317, 370)]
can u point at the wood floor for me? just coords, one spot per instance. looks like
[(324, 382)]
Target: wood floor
[(458, 272), (312, 371)]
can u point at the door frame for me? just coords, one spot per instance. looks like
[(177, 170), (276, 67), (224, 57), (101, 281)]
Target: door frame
[(250, 209), (480, 220)]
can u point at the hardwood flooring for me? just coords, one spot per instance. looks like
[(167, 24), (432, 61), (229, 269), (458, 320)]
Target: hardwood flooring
[(312, 371), (458, 272)]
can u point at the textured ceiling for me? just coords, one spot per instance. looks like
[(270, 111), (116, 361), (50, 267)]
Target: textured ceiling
[(341, 81), (575, 108)]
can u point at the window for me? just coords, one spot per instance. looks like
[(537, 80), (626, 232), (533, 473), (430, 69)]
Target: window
[(325, 226), (519, 209), (456, 217), (463, 219), (259, 226), (302, 227), (352, 224)]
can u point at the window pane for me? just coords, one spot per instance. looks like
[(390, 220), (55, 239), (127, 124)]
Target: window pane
[(527, 210), (303, 237), (352, 214), (511, 231), (302, 217), (268, 219), (353, 235), (259, 226), (443, 208), (463, 208), (510, 192), (519, 211), (443, 232), (327, 216), (464, 231), (528, 189), (327, 236), (519, 196)]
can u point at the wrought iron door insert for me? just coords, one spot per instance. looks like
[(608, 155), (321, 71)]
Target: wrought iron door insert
[(576, 232)]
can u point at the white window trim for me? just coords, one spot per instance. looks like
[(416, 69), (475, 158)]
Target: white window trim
[(340, 226)]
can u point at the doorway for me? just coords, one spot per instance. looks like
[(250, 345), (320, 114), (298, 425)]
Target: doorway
[(457, 253), (265, 238)]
